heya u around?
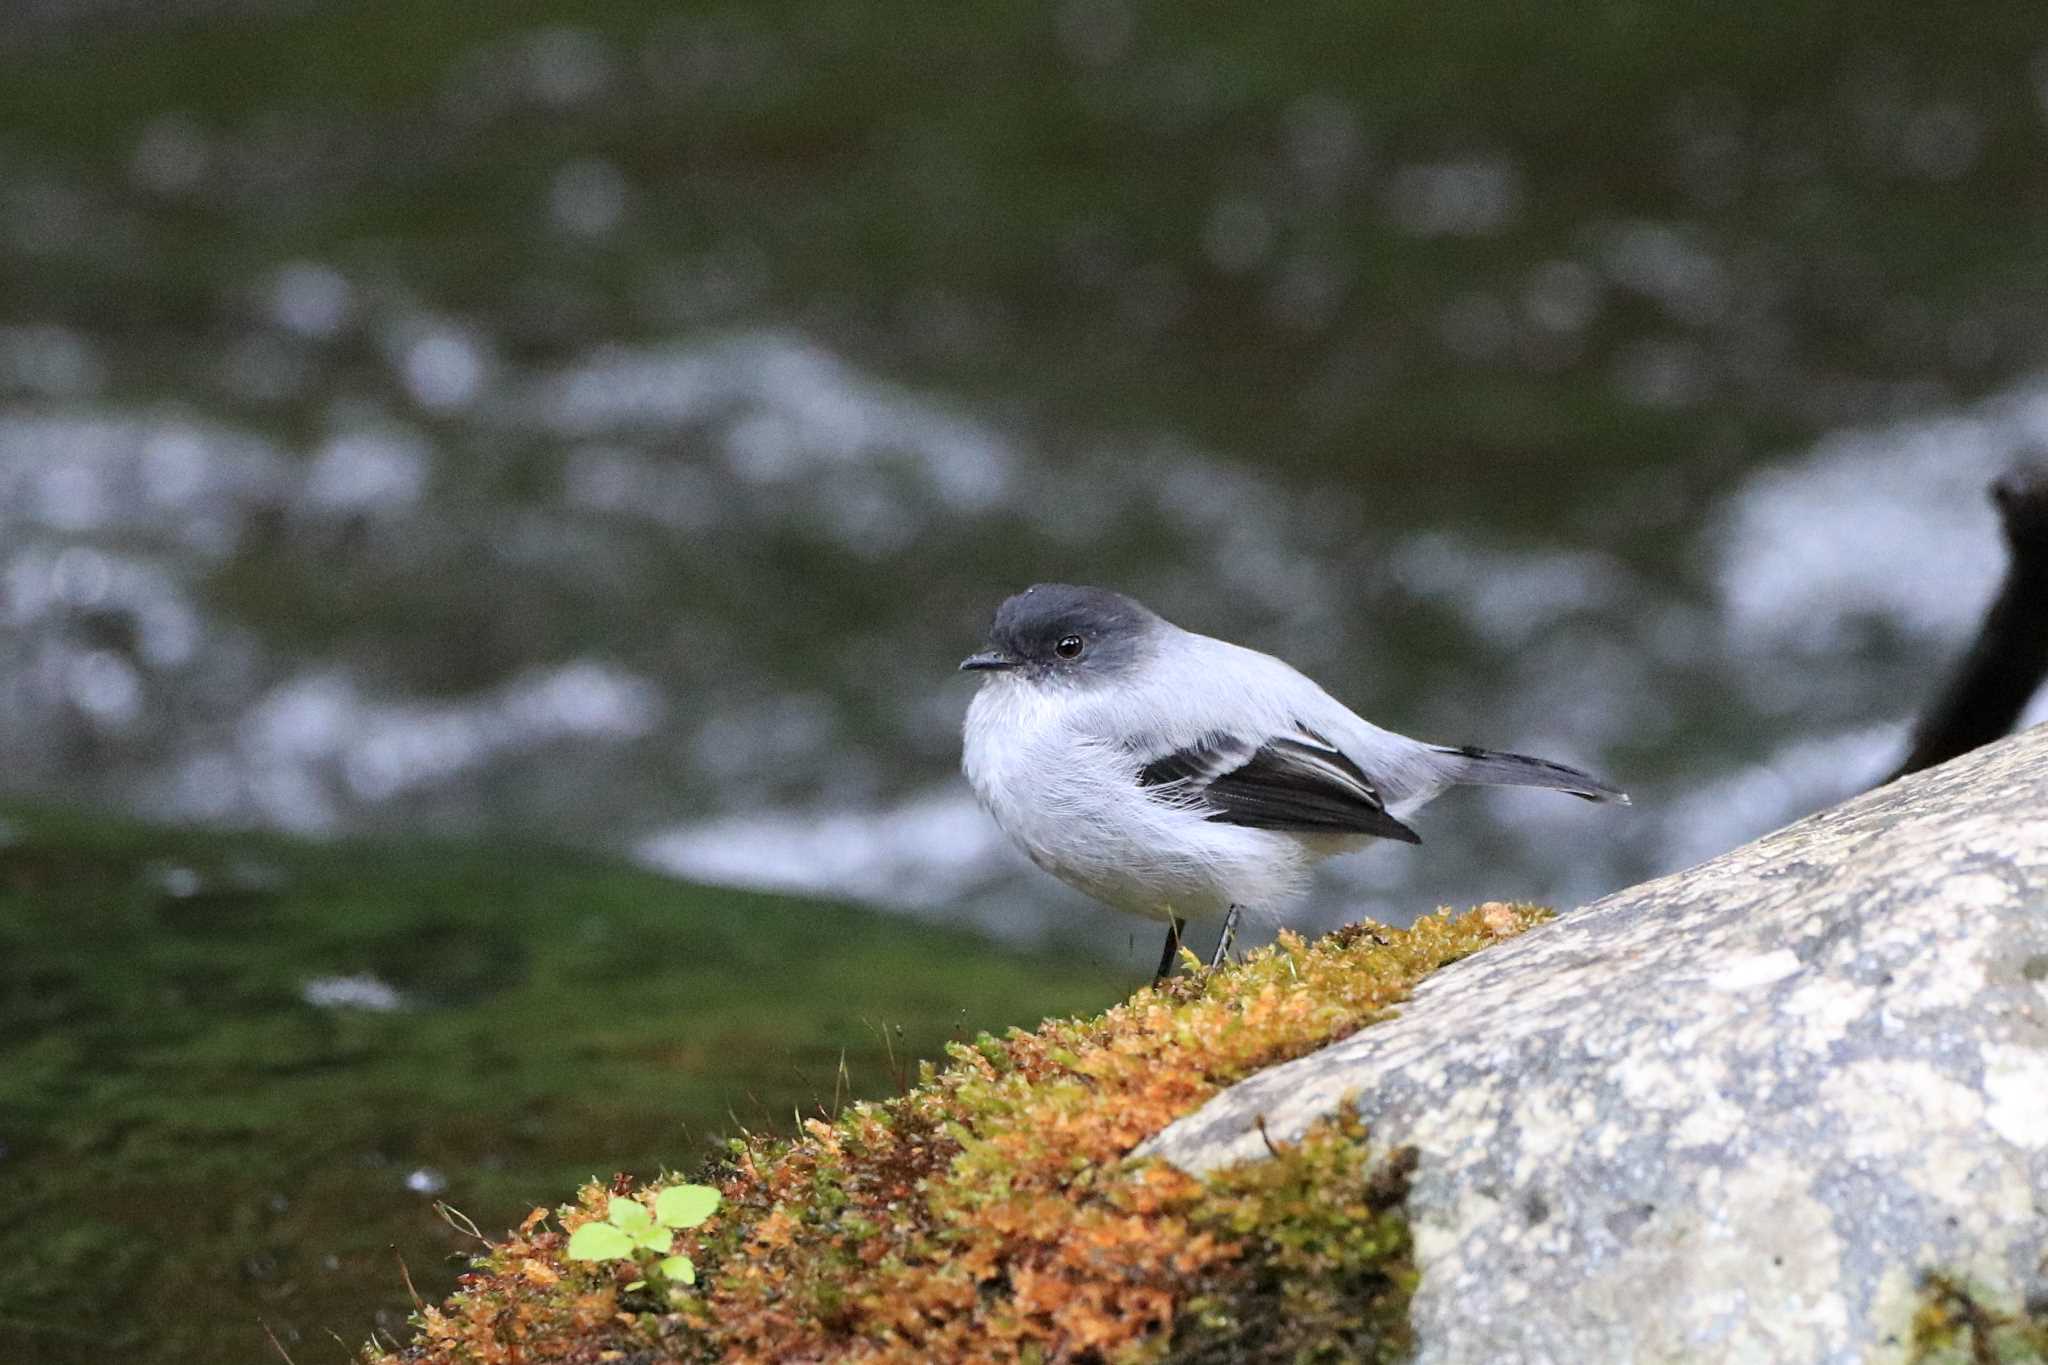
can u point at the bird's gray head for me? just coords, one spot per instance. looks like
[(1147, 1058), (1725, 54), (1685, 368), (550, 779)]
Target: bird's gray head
[(1059, 632)]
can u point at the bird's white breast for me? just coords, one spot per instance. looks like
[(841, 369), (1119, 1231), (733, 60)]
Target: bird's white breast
[(1024, 758), (1045, 764)]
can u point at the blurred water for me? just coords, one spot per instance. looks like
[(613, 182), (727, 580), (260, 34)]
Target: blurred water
[(826, 765), (627, 459)]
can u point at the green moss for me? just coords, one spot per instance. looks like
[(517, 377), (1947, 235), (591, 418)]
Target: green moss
[(1326, 1267), (189, 1150), (1958, 1323)]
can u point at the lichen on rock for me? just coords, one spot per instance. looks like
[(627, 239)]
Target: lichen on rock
[(1959, 1323)]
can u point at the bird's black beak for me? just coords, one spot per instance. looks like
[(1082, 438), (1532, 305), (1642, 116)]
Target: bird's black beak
[(988, 658)]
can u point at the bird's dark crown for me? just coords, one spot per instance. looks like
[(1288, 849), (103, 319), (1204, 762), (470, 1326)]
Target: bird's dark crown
[(1030, 626)]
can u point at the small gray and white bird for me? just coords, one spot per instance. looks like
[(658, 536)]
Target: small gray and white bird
[(1175, 776)]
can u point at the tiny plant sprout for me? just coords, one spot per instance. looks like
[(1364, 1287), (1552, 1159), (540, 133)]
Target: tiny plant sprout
[(630, 1232)]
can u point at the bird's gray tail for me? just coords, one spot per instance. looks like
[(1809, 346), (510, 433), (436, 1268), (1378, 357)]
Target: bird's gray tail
[(1491, 768)]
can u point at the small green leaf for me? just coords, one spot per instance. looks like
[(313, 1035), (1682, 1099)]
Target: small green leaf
[(685, 1206), (599, 1242), (680, 1269), (656, 1240), (629, 1215), (637, 1284)]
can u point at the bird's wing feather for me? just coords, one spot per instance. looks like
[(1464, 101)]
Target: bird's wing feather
[(1297, 782)]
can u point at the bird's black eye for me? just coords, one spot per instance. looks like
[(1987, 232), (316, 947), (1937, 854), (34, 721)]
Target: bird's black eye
[(1069, 647)]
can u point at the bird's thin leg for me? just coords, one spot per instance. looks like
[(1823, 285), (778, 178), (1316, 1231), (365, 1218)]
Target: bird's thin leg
[(1167, 954), (1223, 943)]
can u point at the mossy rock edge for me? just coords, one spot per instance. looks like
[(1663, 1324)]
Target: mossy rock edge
[(992, 1211)]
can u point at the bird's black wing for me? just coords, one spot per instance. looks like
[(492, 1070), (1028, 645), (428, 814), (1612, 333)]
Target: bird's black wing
[(1299, 782)]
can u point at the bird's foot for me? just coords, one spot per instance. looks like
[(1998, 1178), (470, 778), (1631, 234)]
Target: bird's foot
[(1224, 941), (1167, 955)]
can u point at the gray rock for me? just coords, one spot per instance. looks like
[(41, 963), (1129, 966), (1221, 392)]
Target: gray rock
[(1731, 1114)]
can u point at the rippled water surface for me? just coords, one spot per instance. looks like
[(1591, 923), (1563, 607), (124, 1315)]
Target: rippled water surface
[(612, 422)]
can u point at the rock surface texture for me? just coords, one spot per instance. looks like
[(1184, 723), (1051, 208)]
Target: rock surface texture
[(1732, 1114)]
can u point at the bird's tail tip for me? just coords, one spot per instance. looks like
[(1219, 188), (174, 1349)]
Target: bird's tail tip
[(1492, 767)]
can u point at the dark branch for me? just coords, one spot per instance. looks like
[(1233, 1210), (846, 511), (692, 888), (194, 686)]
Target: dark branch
[(2007, 664)]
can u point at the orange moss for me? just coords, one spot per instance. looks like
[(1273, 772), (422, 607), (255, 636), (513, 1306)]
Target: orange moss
[(989, 1214)]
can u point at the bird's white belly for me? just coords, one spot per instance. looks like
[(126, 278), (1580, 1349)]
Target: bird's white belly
[(1072, 803)]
